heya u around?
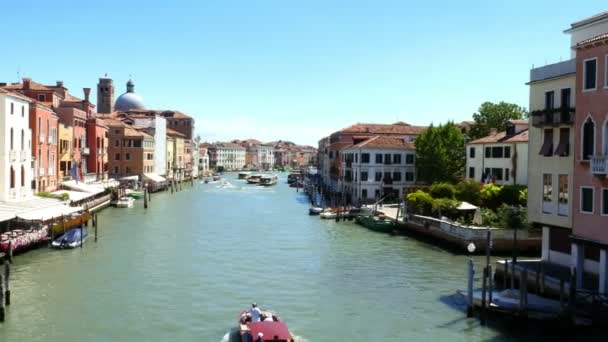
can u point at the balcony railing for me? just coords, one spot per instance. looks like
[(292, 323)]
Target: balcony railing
[(599, 165), (85, 151), (23, 156), (553, 117), (12, 156)]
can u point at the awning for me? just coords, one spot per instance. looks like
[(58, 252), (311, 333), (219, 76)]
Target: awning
[(466, 206), (80, 186), (135, 178), (10, 210), (74, 195), (48, 213), (154, 177)]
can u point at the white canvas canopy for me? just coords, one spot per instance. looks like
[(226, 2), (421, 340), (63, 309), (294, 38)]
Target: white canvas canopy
[(44, 214), (154, 177), (466, 206)]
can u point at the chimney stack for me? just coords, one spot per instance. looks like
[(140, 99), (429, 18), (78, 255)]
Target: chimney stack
[(26, 82), (493, 132), (87, 92), (60, 83)]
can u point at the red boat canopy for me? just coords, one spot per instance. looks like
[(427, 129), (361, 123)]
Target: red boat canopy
[(273, 331)]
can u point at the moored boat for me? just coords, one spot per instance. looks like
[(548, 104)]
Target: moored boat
[(271, 328), (69, 222), (135, 194), (268, 180), (254, 179), (315, 210), (377, 223), (124, 202), (294, 176), (71, 239)]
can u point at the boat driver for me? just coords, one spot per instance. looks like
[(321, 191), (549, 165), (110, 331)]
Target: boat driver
[(256, 313)]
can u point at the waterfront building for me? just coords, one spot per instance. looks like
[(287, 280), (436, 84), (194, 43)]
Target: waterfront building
[(337, 141), (257, 154), (178, 149), (97, 139), (79, 150), (229, 156), (43, 123), (131, 151), (501, 157), (15, 147), (203, 161), (195, 159), (589, 250), (378, 167), (156, 126), (170, 153), (551, 157), (66, 137)]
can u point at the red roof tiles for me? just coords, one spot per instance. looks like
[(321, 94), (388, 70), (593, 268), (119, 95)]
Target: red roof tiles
[(386, 142), (398, 128), (502, 137)]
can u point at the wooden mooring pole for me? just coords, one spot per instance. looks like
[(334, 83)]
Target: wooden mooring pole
[(7, 289), (95, 223), (145, 197), (482, 312), (470, 278), (2, 312), (10, 249)]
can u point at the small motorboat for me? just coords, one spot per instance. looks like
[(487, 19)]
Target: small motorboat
[(328, 214), (124, 202), (268, 180), (71, 239), (216, 178), (135, 194), (254, 179), (315, 210), (271, 328)]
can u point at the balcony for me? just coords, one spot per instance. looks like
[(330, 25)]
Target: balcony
[(85, 151), (23, 156), (553, 117), (599, 165), (562, 208)]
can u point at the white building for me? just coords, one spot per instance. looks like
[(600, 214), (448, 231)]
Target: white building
[(15, 147), (203, 161), (157, 127), (195, 159), (378, 167), (500, 157), (230, 156), (266, 157)]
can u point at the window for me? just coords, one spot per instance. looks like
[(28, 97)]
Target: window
[(11, 138), (387, 177), (588, 139), (396, 158), (23, 140), (471, 152), (117, 156), (377, 193), (507, 153), (364, 176), (409, 159), (547, 148), (137, 143), (22, 176), (497, 152), (365, 158), (378, 158), (488, 152), (12, 178), (563, 189), (356, 157), (128, 170), (565, 100), (397, 176), (549, 101), (587, 200), (589, 74), (378, 176), (116, 143), (364, 193), (563, 148), (409, 176), (547, 187), (41, 97), (497, 173), (472, 172), (387, 158), (22, 111), (604, 201), (506, 175)]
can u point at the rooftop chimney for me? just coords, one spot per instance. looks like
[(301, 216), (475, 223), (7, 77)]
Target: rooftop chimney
[(26, 82), (492, 132), (59, 83), (87, 92)]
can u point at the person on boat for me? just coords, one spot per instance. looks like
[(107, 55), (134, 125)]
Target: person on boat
[(260, 337), (268, 318), (256, 313)]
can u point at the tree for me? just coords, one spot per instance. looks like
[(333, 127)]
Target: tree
[(440, 154), (495, 115)]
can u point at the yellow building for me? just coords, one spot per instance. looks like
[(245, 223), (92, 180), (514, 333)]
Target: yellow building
[(179, 162), (170, 146), (66, 136)]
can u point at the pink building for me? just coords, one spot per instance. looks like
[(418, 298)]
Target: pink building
[(590, 185)]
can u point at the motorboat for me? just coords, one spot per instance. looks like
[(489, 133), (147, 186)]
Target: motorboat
[(244, 174), (315, 210), (378, 223), (71, 239), (68, 222), (328, 214), (124, 202), (216, 177), (268, 180), (271, 328), (294, 176), (135, 194), (254, 179)]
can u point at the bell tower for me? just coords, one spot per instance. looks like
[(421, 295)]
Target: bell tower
[(105, 95)]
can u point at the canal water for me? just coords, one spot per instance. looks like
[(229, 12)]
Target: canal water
[(183, 269)]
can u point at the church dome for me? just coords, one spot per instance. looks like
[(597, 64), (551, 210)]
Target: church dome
[(129, 100)]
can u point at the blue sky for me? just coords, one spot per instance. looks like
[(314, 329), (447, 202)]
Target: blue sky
[(296, 70)]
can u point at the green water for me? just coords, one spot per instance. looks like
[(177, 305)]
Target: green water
[(183, 269)]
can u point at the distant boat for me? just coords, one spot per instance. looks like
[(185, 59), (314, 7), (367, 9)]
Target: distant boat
[(254, 179), (71, 239), (124, 202), (315, 210), (135, 194), (244, 174), (268, 180), (272, 328)]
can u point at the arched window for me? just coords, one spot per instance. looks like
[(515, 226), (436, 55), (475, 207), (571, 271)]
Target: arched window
[(12, 178), (22, 140), (588, 139), (22, 176), (11, 138)]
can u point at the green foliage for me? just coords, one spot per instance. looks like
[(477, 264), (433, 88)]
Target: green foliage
[(495, 115), (440, 154), (445, 207), (469, 190), (421, 202), (489, 218), (511, 216), (523, 196), (442, 190), (490, 196), (63, 197), (510, 195)]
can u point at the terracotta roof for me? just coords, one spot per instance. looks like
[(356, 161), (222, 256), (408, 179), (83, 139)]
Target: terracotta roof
[(230, 145), (398, 128), (519, 122), (501, 137), (339, 145), (132, 132), (165, 113), (175, 133), (380, 141), (33, 86), (15, 94), (598, 38), (113, 122)]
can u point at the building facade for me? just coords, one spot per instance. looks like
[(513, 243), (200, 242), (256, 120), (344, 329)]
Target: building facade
[(501, 157), (15, 147), (43, 123), (131, 152), (229, 156)]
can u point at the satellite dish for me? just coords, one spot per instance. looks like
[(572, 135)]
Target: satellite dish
[(471, 247)]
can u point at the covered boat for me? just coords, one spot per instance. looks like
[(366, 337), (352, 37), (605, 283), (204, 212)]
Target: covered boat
[(254, 179), (268, 180), (69, 222), (72, 238), (377, 223), (134, 193), (272, 328), (124, 202)]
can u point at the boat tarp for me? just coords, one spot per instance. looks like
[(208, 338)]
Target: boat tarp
[(45, 214), (154, 177), (80, 186)]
